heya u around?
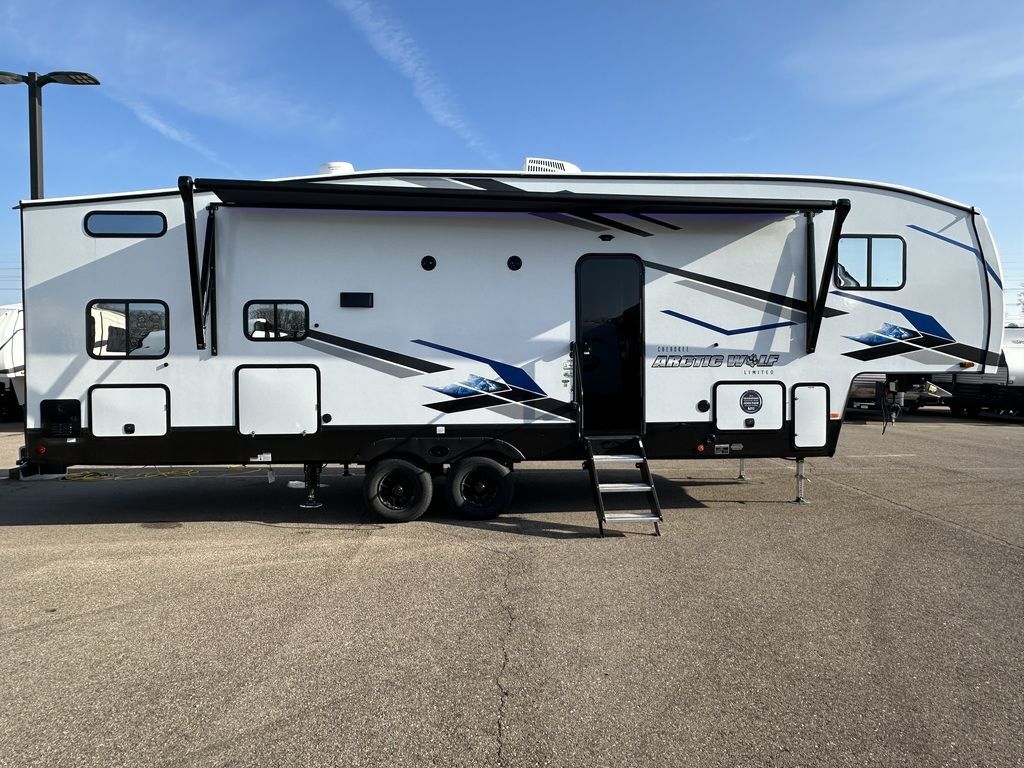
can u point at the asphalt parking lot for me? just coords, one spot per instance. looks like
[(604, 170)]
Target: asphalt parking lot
[(198, 617)]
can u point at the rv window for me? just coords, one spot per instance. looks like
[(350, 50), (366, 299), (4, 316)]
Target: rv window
[(871, 262), (125, 224), (276, 320), (136, 329)]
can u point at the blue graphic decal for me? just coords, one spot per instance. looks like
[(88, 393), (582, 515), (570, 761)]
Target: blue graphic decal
[(472, 385), (922, 323), (726, 331), (887, 334), (510, 374), (958, 244)]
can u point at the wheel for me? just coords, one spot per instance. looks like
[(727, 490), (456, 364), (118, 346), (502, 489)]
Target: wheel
[(397, 490), (479, 487)]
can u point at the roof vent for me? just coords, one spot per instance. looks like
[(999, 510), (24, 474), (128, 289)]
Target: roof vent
[(546, 165), (337, 168)]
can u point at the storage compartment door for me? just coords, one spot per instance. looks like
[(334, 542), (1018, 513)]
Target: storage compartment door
[(743, 407), (278, 400), (810, 415), (129, 411)]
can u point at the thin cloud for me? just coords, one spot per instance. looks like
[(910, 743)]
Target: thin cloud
[(393, 44), (150, 60), (146, 115), (865, 73), (849, 59)]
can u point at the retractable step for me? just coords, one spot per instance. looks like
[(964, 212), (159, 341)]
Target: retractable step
[(622, 449), (610, 458), (624, 487), (631, 517)]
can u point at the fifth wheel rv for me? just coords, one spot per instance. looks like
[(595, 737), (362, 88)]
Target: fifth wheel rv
[(457, 323)]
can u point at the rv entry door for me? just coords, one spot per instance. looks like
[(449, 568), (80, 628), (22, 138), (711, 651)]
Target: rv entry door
[(610, 343)]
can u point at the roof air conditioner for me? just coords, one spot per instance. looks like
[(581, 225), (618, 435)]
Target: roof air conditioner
[(546, 165)]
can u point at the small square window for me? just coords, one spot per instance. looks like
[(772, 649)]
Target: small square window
[(276, 320), (871, 262), (125, 328)]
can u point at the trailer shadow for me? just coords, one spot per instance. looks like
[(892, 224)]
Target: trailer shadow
[(544, 493), (171, 496)]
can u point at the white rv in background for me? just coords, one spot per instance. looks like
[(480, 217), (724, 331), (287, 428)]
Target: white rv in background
[(1000, 390), (459, 322), (12, 362)]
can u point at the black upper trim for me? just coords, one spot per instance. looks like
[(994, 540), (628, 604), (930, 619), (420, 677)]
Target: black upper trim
[(475, 177), (307, 195)]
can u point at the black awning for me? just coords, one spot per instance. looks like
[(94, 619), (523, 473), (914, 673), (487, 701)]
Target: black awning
[(359, 197)]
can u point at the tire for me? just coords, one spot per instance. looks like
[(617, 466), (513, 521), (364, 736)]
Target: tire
[(397, 490), (479, 488)]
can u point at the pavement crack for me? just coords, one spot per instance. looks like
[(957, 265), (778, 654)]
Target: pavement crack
[(504, 692)]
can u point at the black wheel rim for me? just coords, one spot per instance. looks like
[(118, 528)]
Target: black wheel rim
[(479, 487), (398, 489)]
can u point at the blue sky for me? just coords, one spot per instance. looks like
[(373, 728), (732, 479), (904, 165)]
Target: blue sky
[(926, 94)]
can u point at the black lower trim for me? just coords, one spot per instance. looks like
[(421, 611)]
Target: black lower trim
[(223, 445)]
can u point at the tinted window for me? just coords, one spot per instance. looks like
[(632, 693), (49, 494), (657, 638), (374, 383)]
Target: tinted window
[(871, 261), (276, 320), (125, 224), (135, 329)]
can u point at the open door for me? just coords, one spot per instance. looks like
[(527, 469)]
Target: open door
[(610, 343)]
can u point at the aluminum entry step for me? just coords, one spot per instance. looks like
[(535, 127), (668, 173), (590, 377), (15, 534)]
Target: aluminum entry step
[(614, 457), (624, 487), (630, 517)]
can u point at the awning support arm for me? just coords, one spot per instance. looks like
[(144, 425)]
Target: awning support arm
[(192, 247), (811, 276), (817, 309), (208, 280)]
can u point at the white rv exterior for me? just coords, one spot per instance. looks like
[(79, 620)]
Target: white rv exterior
[(12, 360), (432, 315)]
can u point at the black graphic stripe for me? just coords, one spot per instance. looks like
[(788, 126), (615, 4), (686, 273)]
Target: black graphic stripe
[(561, 218), (967, 352), (652, 220), (486, 183), (552, 406), (745, 290), (928, 341), (408, 361), (470, 403), (517, 395), (611, 224), (883, 350)]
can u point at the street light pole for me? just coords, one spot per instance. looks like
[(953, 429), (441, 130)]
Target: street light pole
[(35, 83), (35, 133)]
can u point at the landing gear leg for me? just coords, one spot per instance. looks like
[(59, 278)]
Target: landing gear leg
[(800, 479), (311, 477), (741, 476)]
